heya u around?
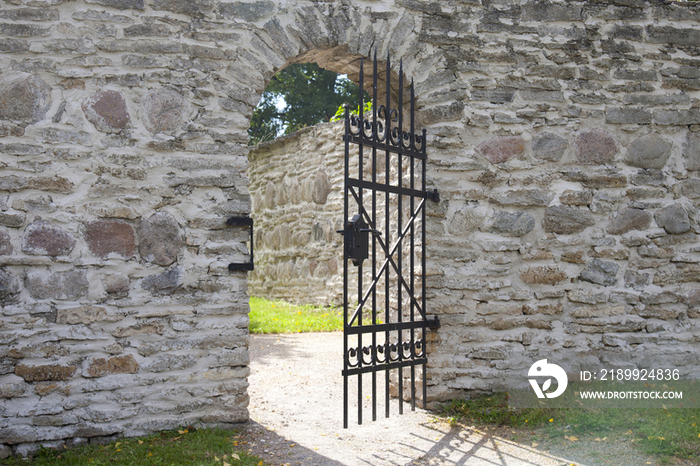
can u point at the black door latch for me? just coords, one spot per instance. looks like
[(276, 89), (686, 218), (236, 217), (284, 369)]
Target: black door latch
[(356, 234)]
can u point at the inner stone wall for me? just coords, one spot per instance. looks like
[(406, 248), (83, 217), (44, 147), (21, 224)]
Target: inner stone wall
[(296, 184)]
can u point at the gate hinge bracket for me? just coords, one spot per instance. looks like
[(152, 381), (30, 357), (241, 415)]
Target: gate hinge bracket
[(242, 222), (433, 195), (434, 323)]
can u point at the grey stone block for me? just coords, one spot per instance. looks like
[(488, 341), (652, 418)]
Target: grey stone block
[(691, 151), (650, 151), (247, 11), (600, 272), (14, 45), (512, 224), (549, 146), (121, 4), (673, 36), (564, 220), (23, 30), (160, 239), (674, 219), (677, 117), (627, 220), (69, 285), (165, 282), (627, 115)]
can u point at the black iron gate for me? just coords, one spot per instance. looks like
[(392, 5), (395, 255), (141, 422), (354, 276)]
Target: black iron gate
[(385, 194)]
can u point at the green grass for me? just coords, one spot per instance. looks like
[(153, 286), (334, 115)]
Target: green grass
[(279, 317), (185, 446), (668, 433)]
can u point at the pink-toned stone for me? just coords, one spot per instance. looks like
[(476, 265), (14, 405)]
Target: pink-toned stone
[(25, 100), (43, 238), (107, 111), (165, 111), (595, 147), (500, 149), (105, 237)]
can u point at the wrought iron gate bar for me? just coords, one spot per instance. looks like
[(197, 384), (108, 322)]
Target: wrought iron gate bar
[(387, 261), (394, 326), (418, 154), (388, 188), (366, 216), (384, 266), (385, 367), (403, 330)]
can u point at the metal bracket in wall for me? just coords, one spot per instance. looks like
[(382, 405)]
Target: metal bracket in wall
[(434, 323), (433, 195), (242, 222)]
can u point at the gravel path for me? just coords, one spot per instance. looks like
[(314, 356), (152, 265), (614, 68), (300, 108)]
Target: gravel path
[(296, 418)]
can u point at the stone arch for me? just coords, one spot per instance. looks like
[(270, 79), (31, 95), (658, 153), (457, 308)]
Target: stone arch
[(335, 37)]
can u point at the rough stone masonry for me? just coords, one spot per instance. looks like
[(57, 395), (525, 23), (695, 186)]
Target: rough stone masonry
[(564, 140), (296, 185)]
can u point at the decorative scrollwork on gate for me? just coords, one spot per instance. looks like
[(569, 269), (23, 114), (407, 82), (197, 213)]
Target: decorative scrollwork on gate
[(384, 353), (373, 130)]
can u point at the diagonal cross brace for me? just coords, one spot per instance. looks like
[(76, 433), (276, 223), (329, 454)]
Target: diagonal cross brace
[(388, 260)]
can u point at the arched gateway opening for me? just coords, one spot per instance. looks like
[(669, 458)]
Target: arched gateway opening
[(306, 187)]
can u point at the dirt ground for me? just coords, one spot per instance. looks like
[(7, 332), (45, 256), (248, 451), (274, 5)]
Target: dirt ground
[(296, 409)]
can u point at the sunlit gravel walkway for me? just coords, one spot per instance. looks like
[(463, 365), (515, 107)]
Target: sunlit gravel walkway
[(296, 418)]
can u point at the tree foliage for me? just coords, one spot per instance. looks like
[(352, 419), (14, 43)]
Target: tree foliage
[(312, 95)]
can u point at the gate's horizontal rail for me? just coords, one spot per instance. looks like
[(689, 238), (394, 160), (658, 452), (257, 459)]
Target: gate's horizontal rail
[(387, 187), (386, 367), (386, 147), (392, 326)]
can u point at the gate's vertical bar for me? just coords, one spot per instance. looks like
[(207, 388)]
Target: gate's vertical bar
[(412, 254), (374, 237), (359, 266), (423, 248), (387, 208), (345, 272), (400, 229)]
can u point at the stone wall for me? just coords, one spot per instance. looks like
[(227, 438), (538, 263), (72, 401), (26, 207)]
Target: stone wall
[(568, 171), (296, 184), (118, 171), (563, 137)]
